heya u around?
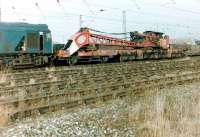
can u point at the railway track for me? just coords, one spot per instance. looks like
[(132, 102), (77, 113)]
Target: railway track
[(30, 93), (38, 74), (92, 66)]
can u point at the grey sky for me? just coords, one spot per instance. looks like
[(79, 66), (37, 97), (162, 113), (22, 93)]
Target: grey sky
[(178, 18)]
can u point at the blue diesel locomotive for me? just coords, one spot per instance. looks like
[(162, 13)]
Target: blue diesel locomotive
[(23, 44)]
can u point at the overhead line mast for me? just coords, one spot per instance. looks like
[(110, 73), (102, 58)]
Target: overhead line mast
[(81, 21), (124, 24)]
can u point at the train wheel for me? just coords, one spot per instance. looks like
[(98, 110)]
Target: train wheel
[(104, 59), (119, 58), (52, 61), (73, 60), (9, 64)]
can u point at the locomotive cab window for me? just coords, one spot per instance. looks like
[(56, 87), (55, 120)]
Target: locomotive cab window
[(21, 45)]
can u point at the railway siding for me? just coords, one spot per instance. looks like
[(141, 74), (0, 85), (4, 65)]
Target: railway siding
[(26, 94)]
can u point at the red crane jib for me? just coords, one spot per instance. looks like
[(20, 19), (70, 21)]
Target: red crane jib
[(105, 40), (102, 40), (105, 43)]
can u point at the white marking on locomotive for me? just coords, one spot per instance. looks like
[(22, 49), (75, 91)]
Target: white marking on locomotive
[(73, 48)]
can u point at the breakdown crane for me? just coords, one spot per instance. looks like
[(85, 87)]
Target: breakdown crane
[(86, 46)]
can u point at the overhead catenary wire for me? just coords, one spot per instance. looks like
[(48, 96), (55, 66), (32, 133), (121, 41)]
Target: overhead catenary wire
[(62, 7), (15, 12), (153, 15), (173, 1), (137, 12), (145, 13), (129, 21), (116, 19), (88, 6), (170, 2), (40, 10), (177, 25), (110, 33), (136, 4)]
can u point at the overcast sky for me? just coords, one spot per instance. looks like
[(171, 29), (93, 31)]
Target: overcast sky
[(177, 18)]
